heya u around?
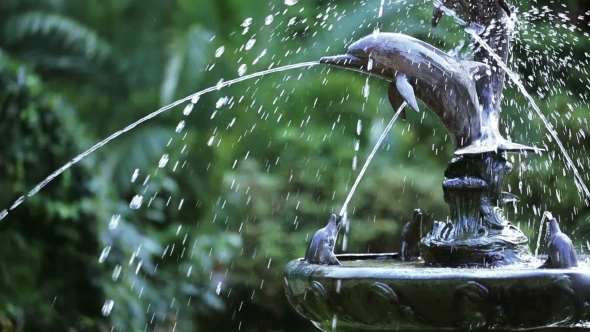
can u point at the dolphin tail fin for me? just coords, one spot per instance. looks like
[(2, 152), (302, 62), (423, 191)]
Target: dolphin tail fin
[(396, 100), (437, 14), (518, 148), (509, 197), (406, 91), (505, 6), (477, 69), (496, 145)]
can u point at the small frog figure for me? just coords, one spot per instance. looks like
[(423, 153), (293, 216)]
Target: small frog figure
[(561, 249), (411, 238), (321, 247)]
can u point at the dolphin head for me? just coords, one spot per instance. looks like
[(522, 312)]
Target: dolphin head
[(359, 56)]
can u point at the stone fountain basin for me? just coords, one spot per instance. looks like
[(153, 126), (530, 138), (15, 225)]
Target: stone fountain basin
[(378, 292)]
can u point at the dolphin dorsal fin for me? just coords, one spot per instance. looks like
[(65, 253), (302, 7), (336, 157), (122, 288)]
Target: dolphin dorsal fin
[(406, 91)]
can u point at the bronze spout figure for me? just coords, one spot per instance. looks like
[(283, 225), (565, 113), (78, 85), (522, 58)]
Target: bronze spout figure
[(321, 247), (561, 249), (411, 237), (445, 84)]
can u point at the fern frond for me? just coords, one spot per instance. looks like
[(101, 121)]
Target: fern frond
[(73, 34)]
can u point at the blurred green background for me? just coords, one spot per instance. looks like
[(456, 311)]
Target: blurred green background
[(254, 170)]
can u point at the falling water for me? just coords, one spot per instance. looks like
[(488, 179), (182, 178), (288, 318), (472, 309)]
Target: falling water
[(579, 182), (193, 98), (370, 157), (546, 215), (379, 15)]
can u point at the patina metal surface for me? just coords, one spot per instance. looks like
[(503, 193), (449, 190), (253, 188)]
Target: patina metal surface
[(371, 294), (477, 233)]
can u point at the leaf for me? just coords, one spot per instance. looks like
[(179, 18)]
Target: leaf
[(75, 36)]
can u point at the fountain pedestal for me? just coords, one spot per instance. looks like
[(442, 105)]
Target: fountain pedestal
[(478, 234)]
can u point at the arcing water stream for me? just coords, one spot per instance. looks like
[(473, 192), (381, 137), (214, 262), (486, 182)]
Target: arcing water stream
[(193, 100), (514, 78), (370, 157), (579, 181)]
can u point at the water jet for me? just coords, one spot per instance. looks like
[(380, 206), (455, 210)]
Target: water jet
[(476, 270)]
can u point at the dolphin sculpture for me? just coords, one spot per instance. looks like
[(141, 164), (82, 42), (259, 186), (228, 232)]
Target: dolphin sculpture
[(446, 85)]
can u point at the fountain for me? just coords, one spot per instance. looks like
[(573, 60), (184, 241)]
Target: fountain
[(477, 271)]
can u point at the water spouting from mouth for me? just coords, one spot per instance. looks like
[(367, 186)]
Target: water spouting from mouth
[(370, 157), (193, 98)]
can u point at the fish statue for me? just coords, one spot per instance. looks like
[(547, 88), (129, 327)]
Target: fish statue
[(561, 249), (418, 70), (411, 237), (321, 247)]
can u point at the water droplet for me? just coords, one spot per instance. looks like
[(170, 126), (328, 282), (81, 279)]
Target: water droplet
[(18, 202), (370, 64), (366, 89), (222, 101), (104, 254), (359, 127), (189, 108), (114, 221), (135, 175), (219, 51), (138, 266), (247, 22), (334, 322), (180, 126), (3, 214), (291, 2), (218, 289), (107, 307), (211, 140), (268, 20), (250, 44), (116, 272), (190, 269), (242, 69), (136, 202), (163, 161), (195, 100)]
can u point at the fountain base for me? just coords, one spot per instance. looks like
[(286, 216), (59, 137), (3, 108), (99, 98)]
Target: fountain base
[(378, 292)]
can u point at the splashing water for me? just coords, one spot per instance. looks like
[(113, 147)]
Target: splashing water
[(577, 177), (193, 98), (370, 157), (546, 215)]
